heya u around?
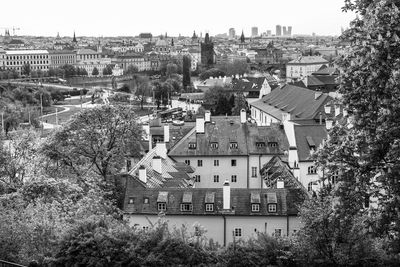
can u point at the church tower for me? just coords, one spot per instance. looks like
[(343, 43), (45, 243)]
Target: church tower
[(207, 51)]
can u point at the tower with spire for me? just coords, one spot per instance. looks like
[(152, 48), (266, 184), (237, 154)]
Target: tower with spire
[(242, 41), (207, 51)]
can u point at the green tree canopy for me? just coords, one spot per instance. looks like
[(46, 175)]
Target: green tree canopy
[(95, 71)]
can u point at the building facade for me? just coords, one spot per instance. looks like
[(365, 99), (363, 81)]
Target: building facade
[(303, 67), (59, 58), (37, 59)]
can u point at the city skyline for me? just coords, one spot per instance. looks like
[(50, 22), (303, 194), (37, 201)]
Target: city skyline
[(90, 18)]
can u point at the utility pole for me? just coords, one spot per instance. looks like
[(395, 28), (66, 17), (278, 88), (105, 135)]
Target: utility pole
[(41, 109)]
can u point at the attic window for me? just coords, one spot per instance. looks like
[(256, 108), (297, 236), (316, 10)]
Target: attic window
[(233, 145), (255, 207), (272, 207), (214, 145), (272, 144), (131, 200), (192, 145), (146, 200), (186, 207), (260, 144), (209, 207), (310, 142)]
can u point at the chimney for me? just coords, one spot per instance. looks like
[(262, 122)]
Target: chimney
[(207, 116), (243, 116), (166, 133), (142, 174), (337, 110), (317, 94), (150, 142), (327, 109), (329, 124), (345, 112), (296, 172), (161, 150), (226, 195), (157, 164), (320, 118), (280, 184), (200, 125)]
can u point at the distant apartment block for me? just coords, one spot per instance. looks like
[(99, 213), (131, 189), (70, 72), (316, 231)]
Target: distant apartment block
[(16, 59), (301, 67)]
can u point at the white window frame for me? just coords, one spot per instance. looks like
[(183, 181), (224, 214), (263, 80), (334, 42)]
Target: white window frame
[(209, 207), (254, 172), (255, 207), (162, 206), (186, 207), (237, 232)]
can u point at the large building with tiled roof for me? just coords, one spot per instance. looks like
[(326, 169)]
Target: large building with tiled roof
[(303, 66), (229, 148), (223, 214), (291, 103)]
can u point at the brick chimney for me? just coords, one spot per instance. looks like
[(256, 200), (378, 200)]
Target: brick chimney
[(243, 116), (200, 125), (166, 133), (143, 174), (157, 164), (161, 150), (226, 195)]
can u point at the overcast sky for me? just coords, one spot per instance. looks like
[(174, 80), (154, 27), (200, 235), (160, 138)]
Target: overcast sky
[(130, 17)]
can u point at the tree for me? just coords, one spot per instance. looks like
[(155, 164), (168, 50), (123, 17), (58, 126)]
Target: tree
[(56, 96), (96, 139), (171, 69), (214, 72), (26, 69), (240, 103), (108, 70), (186, 71), (239, 67), (95, 71), (143, 91), (132, 69), (367, 155), (219, 101), (69, 70)]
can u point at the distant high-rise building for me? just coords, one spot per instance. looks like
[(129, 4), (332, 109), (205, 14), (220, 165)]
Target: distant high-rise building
[(254, 31), (284, 31), (269, 33), (278, 30), (232, 33), (289, 32)]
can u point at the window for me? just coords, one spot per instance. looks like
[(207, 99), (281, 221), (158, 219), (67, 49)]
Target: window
[(192, 145), (278, 232), (199, 163), (187, 162), (233, 162), (233, 145), (146, 200), (233, 178), (237, 232), (334, 177), (186, 207), (271, 207), (162, 206), (216, 162), (197, 178), (255, 207), (214, 145), (131, 200), (216, 178), (260, 144), (253, 171), (312, 170), (273, 144), (310, 186), (209, 207)]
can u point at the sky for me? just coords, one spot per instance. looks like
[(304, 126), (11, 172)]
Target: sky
[(131, 17)]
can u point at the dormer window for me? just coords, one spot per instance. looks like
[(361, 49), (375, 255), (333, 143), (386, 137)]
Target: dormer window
[(272, 144), (186, 207), (255, 207), (272, 208), (162, 200), (209, 201), (209, 207), (260, 144), (162, 206), (146, 200), (214, 145), (272, 202), (233, 145), (187, 202), (192, 145)]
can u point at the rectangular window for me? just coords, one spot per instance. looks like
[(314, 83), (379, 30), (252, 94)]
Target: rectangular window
[(216, 162), (199, 163), (255, 207), (214, 145), (216, 178), (278, 232), (186, 207), (146, 200), (131, 200), (271, 207), (312, 170), (237, 232), (253, 171), (233, 162), (197, 178), (260, 144), (273, 144), (233, 145), (187, 162), (162, 206), (192, 145), (209, 207), (233, 178)]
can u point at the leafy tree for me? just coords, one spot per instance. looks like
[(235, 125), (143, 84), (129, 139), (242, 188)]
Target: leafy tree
[(108, 70), (97, 139), (232, 68), (143, 91), (171, 69), (186, 71), (367, 155), (132, 69), (69, 70), (56, 96), (26, 69), (239, 104), (219, 100), (95, 71), (214, 72), (125, 88)]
